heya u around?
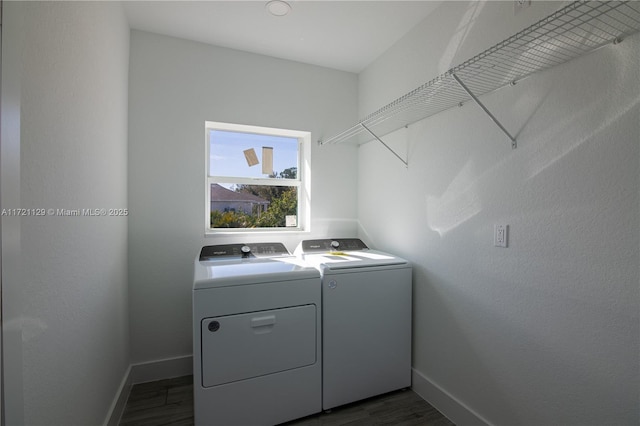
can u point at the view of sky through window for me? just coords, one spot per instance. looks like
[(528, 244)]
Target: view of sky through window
[(227, 153)]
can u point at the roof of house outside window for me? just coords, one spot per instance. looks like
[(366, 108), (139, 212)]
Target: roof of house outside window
[(220, 193)]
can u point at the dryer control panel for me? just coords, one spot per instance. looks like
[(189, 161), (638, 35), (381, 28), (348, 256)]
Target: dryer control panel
[(333, 244), (239, 251)]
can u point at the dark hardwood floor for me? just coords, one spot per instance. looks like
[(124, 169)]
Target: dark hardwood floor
[(170, 402), (165, 402)]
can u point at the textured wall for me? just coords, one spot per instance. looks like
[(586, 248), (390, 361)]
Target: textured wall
[(545, 331), (73, 80), (175, 86)]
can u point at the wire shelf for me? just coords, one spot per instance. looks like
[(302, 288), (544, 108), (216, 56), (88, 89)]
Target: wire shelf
[(572, 31)]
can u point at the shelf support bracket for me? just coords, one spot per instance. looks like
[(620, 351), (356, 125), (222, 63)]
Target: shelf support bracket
[(514, 144), (385, 145)]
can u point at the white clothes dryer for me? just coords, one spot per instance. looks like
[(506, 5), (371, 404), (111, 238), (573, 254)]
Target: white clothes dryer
[(256, 336), (366, 319)]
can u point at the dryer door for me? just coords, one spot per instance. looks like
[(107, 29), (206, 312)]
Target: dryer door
[(239, 347)]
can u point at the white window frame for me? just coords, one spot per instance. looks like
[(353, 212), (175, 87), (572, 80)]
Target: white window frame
[(303, 181)]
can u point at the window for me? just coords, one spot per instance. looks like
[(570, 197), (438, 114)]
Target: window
[(257, 178)]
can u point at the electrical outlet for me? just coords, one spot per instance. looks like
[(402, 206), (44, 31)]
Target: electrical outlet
[(500, 235), (519, 5)]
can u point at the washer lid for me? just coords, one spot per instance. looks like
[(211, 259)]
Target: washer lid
[(353, 259), (210, 274)]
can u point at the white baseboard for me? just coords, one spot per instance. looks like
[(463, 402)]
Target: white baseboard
[(444, 402), (428, 390), (162, 369), (120, 401)]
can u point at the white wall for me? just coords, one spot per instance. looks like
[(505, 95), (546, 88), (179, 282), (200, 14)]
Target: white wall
[(175, 86), (13, 406), (545, 331), (73, 142)]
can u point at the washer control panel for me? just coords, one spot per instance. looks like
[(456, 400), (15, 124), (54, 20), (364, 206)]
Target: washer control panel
[(239, 251), (333, 244)]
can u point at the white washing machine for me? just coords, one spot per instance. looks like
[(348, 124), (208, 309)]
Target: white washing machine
[(366, 319), (256, 336)]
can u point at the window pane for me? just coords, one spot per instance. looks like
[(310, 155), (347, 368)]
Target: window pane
[(237, 154), (253, 206)]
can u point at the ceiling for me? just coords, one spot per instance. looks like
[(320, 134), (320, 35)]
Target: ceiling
[(344, 35)]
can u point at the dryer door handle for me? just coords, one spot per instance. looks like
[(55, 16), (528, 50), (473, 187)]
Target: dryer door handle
[(263, 321)]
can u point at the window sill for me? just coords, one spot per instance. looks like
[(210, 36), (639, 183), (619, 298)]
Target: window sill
[(236, 231)]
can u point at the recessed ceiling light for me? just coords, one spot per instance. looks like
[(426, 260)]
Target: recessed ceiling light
[(278, 7)]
